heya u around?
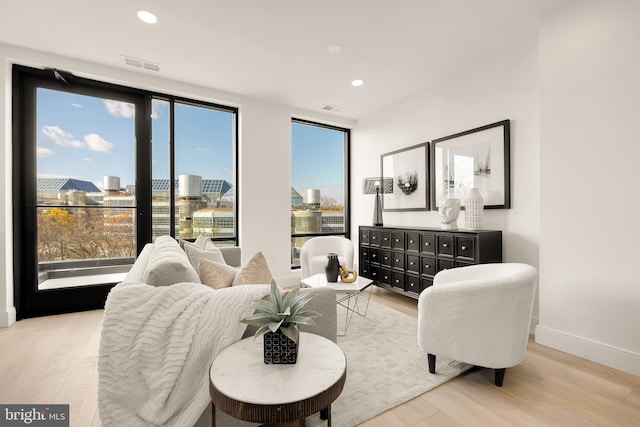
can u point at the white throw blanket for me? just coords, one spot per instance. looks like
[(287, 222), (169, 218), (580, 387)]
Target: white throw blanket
[(156, 348)]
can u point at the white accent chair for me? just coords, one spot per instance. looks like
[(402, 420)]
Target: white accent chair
[(313, 253), (480, 315)]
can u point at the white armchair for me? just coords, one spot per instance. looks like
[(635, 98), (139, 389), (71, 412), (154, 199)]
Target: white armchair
[(313, 253), (479, 314)]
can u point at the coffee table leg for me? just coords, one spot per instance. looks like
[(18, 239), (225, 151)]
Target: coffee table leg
[(213, 415)]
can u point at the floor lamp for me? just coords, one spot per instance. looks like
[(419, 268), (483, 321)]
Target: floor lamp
[(377, 186)]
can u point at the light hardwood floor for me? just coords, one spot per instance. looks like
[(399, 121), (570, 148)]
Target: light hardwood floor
[(53, 360)]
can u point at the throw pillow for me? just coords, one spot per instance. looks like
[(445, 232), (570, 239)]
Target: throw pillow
[(218, 275), (195, 254), (215, 274), (255, 271)]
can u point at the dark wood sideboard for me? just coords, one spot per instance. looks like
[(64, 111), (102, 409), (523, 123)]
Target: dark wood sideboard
[(405, 259)]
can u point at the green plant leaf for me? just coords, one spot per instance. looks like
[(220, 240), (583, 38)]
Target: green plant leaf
[(291, 332), (276, 298), (273, 326), (290, 297), (263, 330)]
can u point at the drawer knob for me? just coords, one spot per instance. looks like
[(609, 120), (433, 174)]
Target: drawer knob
[(397, 260), (397, 280), (427, 266), (445, 245), (397, 240), (411, 263), (410, 241), (427, 244), (374, 237), (386, 277), (464, 248)]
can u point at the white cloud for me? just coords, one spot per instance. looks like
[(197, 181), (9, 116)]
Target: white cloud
[(44, 152), (87, 159), (202, 149), (119, 109), (76, 105), (60, 137), (96, 143)]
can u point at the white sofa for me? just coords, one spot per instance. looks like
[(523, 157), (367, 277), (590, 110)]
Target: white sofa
[(170, 254)]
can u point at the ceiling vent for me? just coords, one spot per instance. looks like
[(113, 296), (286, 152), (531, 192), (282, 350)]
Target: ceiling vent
[(332, 108), (141, 63)]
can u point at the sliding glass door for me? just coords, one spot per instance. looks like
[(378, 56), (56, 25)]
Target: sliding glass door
[(99, 170), (77, 225)]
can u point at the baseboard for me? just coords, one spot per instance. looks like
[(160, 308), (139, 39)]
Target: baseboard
[(534, 325), (8, 318), (603, 354)]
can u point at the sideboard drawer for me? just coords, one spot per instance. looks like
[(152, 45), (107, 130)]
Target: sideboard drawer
[(397, 260), (385, 276), (428, 267), (364, 254), (413, 263), (444, 264), (375, 238), (413, 242), (364, 236), (385, 258), (397, 240), (445, 245), (374, 256), (397, 279), (428, 243), (386, 239), (412, 284), (465, 248)]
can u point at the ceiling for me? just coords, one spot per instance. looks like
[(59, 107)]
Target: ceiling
[(277, 50)]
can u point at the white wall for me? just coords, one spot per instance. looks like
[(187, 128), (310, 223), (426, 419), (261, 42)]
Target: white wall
[(503, 86), (264, 154), (590, 131)]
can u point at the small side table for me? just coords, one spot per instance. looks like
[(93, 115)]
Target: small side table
[(348, 293), (243, 386)]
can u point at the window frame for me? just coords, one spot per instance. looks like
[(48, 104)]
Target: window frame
[(347, 181), (29, 300)]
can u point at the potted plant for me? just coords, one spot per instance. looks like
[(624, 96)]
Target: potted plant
[(278, 319)]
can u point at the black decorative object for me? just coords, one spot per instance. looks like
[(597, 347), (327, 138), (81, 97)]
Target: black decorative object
[(332, 267), (279, 349), (373, 186)]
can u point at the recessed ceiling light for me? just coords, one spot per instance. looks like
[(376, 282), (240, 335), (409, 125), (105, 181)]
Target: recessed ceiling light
[(334, 48), (146, 16), (357, 82)]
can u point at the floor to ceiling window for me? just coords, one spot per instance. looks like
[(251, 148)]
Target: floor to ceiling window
[(100, 170), (193, 170), (319, 183)]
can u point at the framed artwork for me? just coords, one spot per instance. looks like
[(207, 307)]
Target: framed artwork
[(475, 158), (408, 168)]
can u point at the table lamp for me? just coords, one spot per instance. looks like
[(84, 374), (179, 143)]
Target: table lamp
[(377, 186)]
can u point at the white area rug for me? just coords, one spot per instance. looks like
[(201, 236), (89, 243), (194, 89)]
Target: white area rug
[(385, 366)]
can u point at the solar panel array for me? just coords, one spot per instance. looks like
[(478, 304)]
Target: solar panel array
[(67, 184), (208, 186)]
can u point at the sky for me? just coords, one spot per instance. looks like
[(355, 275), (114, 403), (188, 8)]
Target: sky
[(87, 138)]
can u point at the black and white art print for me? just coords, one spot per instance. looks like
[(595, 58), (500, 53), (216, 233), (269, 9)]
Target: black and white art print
[(475, 158), (409, 169)]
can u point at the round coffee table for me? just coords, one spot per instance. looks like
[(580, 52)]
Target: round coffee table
[(244, 387)]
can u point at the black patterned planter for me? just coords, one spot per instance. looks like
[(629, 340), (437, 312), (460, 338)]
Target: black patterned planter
[(279, 349)]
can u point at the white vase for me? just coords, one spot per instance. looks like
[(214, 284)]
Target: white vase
[(473, 210)]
